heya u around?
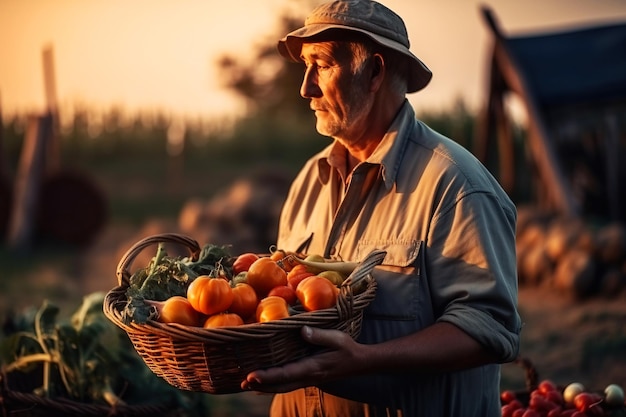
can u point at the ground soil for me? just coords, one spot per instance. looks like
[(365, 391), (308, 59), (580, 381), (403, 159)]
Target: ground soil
[(565, 339)]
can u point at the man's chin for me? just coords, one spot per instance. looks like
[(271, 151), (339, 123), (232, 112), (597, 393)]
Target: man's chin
[(323, 128)]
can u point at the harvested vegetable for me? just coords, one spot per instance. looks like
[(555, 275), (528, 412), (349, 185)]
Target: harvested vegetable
[(168, 276)]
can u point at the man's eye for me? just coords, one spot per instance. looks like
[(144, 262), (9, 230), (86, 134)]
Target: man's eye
[(317, 66)]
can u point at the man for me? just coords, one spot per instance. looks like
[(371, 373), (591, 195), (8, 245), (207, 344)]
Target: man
[(444, 315)]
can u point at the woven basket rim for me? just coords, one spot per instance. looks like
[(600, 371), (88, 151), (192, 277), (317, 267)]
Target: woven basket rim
[(228, 334), (115, 299)]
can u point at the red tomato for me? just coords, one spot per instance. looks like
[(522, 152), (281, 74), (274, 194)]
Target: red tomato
[(271, 308), (317, 293), (243, 262), (546, 386), (178, 309), (519, 412), (506, 410), (541, 404), (285, 292), (583, 401), (531, 413), (554, 413), (297, 274), (555, 396), (507, 396), (265, 274), (245, 300), (210, 295), (222, 320)]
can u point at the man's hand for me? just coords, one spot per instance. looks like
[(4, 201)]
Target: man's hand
[(340, 359)]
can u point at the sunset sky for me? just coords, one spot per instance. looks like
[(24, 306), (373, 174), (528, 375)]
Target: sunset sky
[(161, 54)]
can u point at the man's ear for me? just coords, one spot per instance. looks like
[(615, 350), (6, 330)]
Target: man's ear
[(378, 71)]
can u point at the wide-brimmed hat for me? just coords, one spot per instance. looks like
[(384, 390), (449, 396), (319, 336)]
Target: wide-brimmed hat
[(363, 16)]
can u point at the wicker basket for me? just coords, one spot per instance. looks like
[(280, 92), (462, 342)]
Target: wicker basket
[(216, 361)]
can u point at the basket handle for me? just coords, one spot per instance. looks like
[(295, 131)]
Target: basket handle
[(123, 272), (530, 372), (365, 267)]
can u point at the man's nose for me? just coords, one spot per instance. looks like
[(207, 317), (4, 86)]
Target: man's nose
[(309, 87)]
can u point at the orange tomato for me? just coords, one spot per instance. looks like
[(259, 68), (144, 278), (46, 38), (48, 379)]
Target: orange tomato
[(223, 319), (243, 262), (317, 293), (283, 259), (210, 295), (297, 274), (286, 292), (278, 254), (265, 274), (272, 308), (177, 309), (245, 300)]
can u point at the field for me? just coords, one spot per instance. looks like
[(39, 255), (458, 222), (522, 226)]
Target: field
[(147, 192)]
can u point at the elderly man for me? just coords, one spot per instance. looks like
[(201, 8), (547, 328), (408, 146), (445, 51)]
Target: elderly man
[(445, 315)]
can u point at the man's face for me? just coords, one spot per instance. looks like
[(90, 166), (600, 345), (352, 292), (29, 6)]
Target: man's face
[(340, 98)]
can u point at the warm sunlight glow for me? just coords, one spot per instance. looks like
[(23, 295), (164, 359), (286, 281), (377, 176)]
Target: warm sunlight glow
[(161, 55)]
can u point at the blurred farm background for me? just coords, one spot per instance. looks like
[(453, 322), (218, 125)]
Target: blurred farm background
[(74, 196)]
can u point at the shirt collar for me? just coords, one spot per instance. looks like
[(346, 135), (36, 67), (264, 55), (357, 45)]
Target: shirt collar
[(388, 153)]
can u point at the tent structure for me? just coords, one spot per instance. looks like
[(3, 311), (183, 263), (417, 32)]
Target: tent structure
[(572, 84)]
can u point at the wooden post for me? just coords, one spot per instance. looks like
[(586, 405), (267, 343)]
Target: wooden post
[(22, 219), (53, 151)]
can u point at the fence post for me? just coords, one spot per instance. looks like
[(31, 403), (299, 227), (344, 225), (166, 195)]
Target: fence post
[(28, 178)]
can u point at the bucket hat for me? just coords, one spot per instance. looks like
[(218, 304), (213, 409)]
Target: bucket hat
[(368, 17)]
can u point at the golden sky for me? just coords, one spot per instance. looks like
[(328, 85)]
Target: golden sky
[(160, 54)]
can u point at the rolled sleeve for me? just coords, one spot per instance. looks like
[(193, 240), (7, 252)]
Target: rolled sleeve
[(472, 272)]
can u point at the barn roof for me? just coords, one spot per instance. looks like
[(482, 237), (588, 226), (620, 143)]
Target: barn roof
[(587, 64), (572, 84)]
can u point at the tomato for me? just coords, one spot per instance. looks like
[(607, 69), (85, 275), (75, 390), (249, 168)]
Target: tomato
[(210, 295), (507, 396), (222, 320), (555, 396), (265, 274), (283, 259), (271, 308), (297, 274), (286, 292), (510, 406), (519, 412), (546, 386), (506, 410), (317, 293), (243, 262), (245, 300), (541, 404), (555, 412), (583, 401), (530, 413), (178, 309)]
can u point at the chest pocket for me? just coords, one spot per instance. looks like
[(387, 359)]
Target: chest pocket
[(402, 304)]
